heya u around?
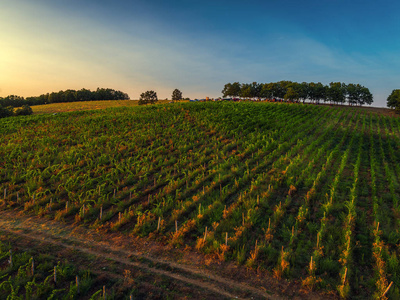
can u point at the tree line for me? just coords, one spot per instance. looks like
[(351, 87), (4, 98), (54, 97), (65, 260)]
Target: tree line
[(64, 96), (335, 92)]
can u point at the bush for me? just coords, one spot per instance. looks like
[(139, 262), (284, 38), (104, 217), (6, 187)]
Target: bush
[(6, 112), (24, 111)]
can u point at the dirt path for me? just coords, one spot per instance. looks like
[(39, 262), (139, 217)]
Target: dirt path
[(146, 255), (124, 261), (32, 228)]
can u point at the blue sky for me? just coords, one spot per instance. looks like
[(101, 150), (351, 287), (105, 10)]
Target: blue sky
[(196, 46)]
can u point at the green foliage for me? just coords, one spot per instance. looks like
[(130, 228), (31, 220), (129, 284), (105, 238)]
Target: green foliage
[(357, 94), (291, 94), (23, 111), (148, 97), (294, 189), (393, 100), (232, 89), (336, 92), (176, 95), (6, 111), (65, 96)]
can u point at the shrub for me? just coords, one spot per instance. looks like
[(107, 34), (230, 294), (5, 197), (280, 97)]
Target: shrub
[(6, 111), (24, 111)]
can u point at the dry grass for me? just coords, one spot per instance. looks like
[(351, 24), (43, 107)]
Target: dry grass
[(93, 105), (84, 105)]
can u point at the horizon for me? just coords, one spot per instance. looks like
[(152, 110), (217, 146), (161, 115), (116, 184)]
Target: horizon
[(196, 47)]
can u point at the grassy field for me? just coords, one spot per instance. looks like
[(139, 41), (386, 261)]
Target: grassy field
[(299, 192), (85, 105)]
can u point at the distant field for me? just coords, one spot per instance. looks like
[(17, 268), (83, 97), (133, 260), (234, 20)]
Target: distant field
[(306, 193), (94, 105), (85, 105)]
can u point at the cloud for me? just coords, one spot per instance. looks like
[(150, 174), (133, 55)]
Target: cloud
[(57, 45)]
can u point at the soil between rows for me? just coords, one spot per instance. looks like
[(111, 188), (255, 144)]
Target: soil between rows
[(213, 278)]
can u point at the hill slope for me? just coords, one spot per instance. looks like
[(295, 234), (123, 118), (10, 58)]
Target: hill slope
[(303, 192)]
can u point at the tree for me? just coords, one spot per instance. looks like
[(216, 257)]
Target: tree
[(148, 97), (317, 91), (54, 97), (280, 88), (231, 89), (246, 90), (353, 93), (273, 89), (266, 91), (176, 95), (69, 96), (256, 90), (291, 94), (303, 90), (84, 95), (337, 92), (393, 100), (358, 94), (12, 100), (119, 95), (366, 96)]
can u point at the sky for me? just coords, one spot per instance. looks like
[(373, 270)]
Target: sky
[(196, 46)]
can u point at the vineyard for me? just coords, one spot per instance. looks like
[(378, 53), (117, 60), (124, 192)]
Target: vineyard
[(306, 193), (48, 271), (25, 276)]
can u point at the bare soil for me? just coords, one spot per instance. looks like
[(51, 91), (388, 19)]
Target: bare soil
[(214, 279)]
